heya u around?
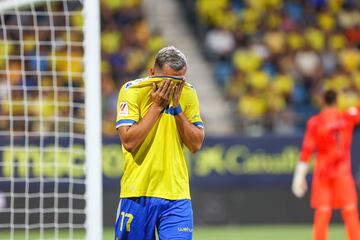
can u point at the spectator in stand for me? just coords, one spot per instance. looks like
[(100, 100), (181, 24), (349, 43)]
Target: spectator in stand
[(127, 47), (219, 43), (285, 52)]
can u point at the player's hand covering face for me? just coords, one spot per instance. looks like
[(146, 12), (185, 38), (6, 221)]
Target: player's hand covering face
[(161, 96), (177, 93)]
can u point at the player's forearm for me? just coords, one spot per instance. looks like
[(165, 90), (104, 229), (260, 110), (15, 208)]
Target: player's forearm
[(305, 155), (191, 135), (133, 136), (308, 146)]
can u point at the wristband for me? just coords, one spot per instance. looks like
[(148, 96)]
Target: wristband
[(177, 110)]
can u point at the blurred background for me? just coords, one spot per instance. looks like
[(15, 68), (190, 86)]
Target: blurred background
[(259, 68)]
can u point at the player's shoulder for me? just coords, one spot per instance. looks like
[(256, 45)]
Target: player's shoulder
[(189, 93), (132, 84), (130, 90), (189, 88), (313, 121)]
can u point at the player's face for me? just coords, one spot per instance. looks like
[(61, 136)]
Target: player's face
[(167, 71)]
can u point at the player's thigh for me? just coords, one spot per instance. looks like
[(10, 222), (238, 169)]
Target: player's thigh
[(134, 221), (176, 223), (321, 193), (345, 191)]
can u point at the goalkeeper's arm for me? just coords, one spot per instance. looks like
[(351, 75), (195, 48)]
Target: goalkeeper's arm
[(299, 184)]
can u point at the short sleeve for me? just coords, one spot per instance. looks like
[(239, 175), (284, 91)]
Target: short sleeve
[(127, 108), (192, 110)]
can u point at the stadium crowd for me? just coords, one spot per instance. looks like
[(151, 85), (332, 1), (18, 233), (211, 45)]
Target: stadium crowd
[(44, 98), (31, 95), (274, 57), (128, 50)]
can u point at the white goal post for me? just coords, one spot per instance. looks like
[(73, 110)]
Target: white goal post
[(93, 119), (50, 120)]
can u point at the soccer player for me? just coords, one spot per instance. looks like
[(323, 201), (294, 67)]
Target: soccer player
[(156, 117), (329, 134)]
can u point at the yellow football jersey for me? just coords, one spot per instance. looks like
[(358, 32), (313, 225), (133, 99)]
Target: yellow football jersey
[(158, 168)]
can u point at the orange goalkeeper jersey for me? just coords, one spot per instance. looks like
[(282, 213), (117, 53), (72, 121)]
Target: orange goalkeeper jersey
[(329, 134)]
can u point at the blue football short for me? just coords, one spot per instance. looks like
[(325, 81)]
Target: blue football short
[(138, 218)]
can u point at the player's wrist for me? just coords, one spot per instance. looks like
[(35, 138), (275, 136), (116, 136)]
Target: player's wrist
[(157, 108), (301, 169), (177, 109)]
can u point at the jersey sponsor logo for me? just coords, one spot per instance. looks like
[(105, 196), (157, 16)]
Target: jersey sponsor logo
[(123, 109)]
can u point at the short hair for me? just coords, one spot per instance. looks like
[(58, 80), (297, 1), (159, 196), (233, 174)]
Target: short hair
[(330, 97), (172, 57)]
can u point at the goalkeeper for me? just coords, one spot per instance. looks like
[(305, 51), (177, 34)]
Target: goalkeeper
[(329, 134), (156, 117)]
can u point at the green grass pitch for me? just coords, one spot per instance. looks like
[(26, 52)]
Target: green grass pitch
[(252, 232)]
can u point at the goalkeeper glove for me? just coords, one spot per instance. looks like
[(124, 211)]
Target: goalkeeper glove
[(299, 184)]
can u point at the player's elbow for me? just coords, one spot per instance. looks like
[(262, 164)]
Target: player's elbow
[(195, 147), (130, 147), (196, 142)]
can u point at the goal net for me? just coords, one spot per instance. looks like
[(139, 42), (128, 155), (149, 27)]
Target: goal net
[(49, 138)]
